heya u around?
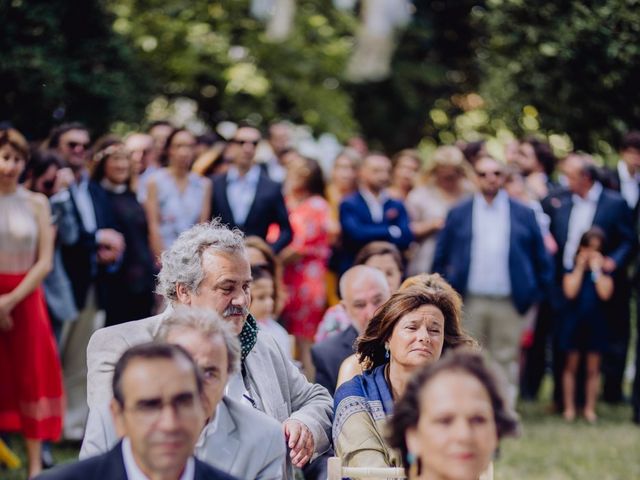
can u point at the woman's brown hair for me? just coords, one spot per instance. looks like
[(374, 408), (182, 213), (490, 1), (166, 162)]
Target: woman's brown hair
[(13, 138), (370, 345), (272, 265)]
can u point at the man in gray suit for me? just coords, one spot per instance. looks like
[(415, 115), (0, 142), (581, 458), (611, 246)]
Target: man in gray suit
[(207, 267), (236, 439)]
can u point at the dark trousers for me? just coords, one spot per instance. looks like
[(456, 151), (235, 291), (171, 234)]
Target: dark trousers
[(614, 359)]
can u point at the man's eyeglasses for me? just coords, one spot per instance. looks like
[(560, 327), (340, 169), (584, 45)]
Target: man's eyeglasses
[(244, 142), (74, 145), (149, 410), (495, 173)]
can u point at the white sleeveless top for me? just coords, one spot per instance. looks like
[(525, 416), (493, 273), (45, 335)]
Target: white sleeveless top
[(18, 232)]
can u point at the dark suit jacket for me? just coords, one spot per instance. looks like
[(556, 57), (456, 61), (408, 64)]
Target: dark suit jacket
[(530, 266), (358, 228), (110, 466), (268, 207), (611, 179), (79, 258), (329, 354), (615, 218)]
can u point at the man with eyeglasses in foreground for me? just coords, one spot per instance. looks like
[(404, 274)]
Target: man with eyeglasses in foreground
[(492, 252), (236, 438), (245, 196), (157, 408)]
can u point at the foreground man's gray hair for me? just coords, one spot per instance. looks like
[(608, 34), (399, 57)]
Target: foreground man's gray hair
[(206, 322), (182, 262)]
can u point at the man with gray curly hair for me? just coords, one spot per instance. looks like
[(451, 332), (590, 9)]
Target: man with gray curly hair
[(236, 438), (207, 267)]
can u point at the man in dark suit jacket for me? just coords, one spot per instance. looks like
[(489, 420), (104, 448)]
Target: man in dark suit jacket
[(370, 214), (245, 196), (157, 408), (611, 213), (362, 289), (492, 252), (88, 258)]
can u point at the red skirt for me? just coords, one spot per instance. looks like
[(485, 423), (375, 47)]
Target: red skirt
[(31, 394)]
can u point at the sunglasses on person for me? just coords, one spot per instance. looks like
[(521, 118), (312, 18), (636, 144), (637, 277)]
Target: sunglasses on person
[(74, 145), (495, 173), (245, 142)]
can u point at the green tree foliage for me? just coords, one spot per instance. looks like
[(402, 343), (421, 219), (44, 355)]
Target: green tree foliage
[(217, 54), (61, 61), (577, 63), (433, 64)]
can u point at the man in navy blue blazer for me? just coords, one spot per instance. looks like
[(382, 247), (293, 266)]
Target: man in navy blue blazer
[(609, 211), (491, 251), (158, 411), (245, 196), (370, 214)]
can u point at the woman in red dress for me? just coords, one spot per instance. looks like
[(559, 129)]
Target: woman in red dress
[(31, 398), (305, 259)]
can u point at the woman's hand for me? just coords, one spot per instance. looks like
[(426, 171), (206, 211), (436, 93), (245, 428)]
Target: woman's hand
[(596, 262), (7, 303)]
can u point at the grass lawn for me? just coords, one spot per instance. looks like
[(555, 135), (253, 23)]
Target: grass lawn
[(549, 448)]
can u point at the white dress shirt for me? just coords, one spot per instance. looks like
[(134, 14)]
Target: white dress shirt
[(629, 187), (376, 209), (84, 204), (580, 220), (241, 190), (490, 239), (134, 472)]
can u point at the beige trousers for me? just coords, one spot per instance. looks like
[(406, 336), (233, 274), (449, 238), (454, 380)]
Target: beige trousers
[(73, 352), (496, 324)]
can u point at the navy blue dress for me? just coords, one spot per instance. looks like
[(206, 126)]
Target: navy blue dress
[(584, 326)]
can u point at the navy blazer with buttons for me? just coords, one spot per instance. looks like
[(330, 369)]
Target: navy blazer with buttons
[(358, 227), (268, 207), (110, 466), (79, 258), (530, 266), (329, 354)]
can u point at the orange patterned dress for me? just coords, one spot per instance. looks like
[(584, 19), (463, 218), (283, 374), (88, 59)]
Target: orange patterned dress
[(305, 279)]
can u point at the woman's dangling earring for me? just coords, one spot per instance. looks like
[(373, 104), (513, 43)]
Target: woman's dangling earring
[(412, 460)]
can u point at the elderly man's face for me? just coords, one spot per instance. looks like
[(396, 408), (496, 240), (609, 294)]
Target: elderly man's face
[(362, 299), (162, 414), (210, 354), (225, 287)]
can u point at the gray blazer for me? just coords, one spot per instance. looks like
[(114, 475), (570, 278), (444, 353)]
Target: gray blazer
[(246, 443), (284, 392)]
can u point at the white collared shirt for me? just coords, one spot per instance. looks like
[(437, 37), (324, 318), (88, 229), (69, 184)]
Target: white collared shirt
[(375, 204), (84, 204), (629, 187), (241, 190), (135, 473), (208, 430), (490, 239), (580, 220)]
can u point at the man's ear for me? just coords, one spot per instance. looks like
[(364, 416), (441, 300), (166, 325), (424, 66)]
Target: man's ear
[(117, 413), (183, 294)]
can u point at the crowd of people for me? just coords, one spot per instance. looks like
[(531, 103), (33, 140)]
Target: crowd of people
[(193, 307)]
